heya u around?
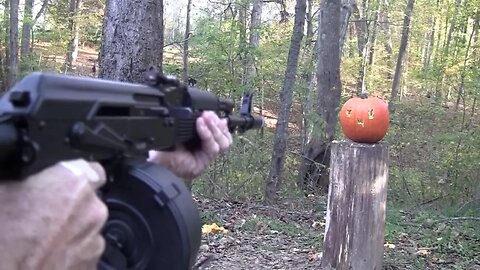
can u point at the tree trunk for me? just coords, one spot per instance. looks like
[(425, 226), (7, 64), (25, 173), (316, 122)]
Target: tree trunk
[(401, 53), (273, 180), (132, 39), (255, 22), (13, 43), (72, 52), (373, 38), (362, 42), (388, 42), (242, 18), (461, 94), (27, 29), (355, 220), (314, 168), (445, 52), (186, 43), (328, 67), (345, 17), (4, 56)]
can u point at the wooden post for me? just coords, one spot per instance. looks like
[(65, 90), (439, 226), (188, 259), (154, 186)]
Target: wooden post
[(354, 232)]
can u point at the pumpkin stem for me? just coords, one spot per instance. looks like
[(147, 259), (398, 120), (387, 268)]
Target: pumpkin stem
[(363, 95)]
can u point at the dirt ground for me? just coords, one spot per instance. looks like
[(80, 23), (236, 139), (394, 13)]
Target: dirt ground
[(290, 236)]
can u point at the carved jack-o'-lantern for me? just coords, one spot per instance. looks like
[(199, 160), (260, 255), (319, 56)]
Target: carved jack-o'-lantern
[(365, 119)]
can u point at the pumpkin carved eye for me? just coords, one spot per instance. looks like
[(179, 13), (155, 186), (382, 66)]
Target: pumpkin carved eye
[(348, 113), (371, 114)]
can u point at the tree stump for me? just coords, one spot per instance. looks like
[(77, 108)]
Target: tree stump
[(355, 222)]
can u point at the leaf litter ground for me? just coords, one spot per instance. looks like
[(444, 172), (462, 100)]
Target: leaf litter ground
[(290, 236)]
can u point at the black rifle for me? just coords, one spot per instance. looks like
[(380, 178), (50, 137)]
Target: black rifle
[(153, 221)]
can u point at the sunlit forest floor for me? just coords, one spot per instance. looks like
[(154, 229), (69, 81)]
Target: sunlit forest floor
[(290, 235)]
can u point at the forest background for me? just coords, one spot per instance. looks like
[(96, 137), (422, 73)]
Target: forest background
[(421, 56)]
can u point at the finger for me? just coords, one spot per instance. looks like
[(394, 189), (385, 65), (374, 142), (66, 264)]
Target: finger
[(226, 131), (93, 171), (208, 141), (214, 124)]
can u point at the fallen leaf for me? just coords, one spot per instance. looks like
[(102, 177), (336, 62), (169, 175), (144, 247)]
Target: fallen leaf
[(389, 245), (423, 251), (213, 229)]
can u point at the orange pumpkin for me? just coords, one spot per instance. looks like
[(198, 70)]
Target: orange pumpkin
[(365, 119)]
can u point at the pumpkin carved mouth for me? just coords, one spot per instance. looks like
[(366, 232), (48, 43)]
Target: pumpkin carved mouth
[(360, 122)]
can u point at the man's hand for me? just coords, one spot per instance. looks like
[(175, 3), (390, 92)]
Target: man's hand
[(216, 139), (52, 220)]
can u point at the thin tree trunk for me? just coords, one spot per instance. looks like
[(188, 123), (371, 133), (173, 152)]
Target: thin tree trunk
[(401, 52), (362, 42), (345, 14), (388, 41), (373, 38), (307, 73), (27, 29), (274, 178), (72, 53), (242, 17), (4, 63), (445, 52), (255, 22), (461, 94), (13, 43), (186, 43), (41, 11)]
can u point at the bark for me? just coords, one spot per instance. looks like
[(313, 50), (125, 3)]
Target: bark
[(186, 43), (132, 39), (72, 53), (27, 29), (356, 211), (274, 178), (13, 43), (401, 53)]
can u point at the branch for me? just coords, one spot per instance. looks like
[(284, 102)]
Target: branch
[(179, 42), (458, 219), (309, 159), (40, 12)]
